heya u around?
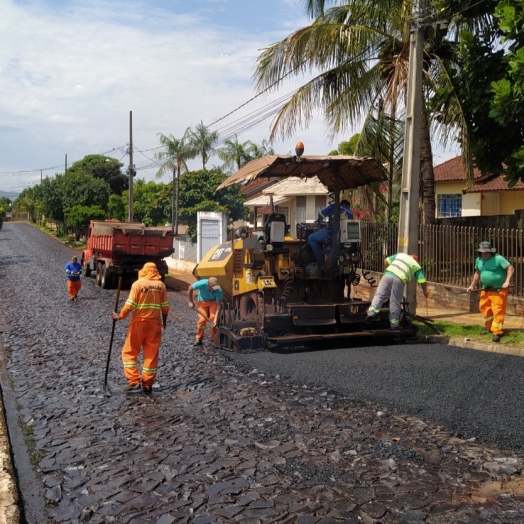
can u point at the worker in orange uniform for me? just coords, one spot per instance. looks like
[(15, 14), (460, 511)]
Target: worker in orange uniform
[(73, 270), (209, 304), (494, 273), (148, 302)]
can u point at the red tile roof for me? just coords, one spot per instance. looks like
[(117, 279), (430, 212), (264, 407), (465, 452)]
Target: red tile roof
[(453, 170)]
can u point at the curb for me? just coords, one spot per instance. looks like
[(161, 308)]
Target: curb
[(469, 343)]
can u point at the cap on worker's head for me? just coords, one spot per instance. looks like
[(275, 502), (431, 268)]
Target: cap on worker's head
[(344, 203), (212, 282), (74, 257), (485, 247), (415, 257)]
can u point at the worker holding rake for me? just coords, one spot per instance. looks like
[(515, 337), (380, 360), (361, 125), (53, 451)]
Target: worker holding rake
[(148, 302)]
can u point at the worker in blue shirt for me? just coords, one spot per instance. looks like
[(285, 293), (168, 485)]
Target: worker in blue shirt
[(73, 270), (317, 239), (208, 305)]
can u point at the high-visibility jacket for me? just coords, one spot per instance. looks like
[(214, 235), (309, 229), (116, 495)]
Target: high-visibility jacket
[(147, 298), (404, 267)]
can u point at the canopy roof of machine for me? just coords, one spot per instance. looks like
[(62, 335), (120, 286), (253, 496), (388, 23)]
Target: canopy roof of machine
[(352, 171)]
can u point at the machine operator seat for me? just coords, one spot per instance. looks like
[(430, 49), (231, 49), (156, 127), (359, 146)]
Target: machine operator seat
[(275, 230)]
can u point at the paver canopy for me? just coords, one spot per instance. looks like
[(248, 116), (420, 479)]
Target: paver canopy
[(337, 173)]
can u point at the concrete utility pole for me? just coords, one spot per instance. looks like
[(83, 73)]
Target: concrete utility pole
[(131, 168), (409, 197)]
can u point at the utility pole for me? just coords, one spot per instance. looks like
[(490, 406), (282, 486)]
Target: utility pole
[(409, 197), (65, 171), (131, 168)]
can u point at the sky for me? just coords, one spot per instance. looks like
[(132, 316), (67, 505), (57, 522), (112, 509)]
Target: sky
[(72, 72)]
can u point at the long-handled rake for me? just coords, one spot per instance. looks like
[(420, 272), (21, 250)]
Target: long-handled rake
[(107, 392)]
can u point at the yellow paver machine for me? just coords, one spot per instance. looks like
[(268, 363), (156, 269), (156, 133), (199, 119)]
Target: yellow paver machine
[(275, 295)]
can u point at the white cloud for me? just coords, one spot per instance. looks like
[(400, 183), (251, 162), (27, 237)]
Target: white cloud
[(70, 73)]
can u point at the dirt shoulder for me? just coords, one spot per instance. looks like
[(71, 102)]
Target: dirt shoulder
[(179, 280)]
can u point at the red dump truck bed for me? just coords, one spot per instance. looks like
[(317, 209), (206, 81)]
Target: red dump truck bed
[(128, 239), (122, 248)]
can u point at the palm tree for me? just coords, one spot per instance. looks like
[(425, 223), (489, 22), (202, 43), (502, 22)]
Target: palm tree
[(203, 142), (174, 160), (235, 154), (361, 50)]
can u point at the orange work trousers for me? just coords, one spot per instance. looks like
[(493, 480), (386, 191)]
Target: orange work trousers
[(492, 307), (73, 287), (209, 309), (145, 335)]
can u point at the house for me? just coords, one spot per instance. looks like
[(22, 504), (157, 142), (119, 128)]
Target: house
[(489, 195), (298, 199)]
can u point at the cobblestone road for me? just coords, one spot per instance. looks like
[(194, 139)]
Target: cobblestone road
[(213, 443)]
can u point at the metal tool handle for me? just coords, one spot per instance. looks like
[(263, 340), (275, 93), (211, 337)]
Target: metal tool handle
[(112, 332)]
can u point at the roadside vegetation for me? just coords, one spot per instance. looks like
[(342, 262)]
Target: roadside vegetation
[(513, 338)]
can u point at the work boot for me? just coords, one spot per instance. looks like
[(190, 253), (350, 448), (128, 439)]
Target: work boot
[(147, 389), (198, 342), (496, 338), (485, 332), (132, 388)]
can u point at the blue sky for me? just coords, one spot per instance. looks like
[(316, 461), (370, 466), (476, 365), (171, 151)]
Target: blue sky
[(71, 71)]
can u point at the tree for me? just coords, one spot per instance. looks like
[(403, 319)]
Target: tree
[(174, 160), (28, 200), (84, 190), (78, 217), (152, 202), (361, 51), (104, 168), (198, 193), (235, 154), (203, 142), (490, 86)]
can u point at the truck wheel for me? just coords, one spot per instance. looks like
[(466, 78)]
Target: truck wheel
[(107, 279), (99, 270), (86, 271)]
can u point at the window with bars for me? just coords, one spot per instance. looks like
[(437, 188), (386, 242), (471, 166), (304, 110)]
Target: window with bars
[(449, 206)]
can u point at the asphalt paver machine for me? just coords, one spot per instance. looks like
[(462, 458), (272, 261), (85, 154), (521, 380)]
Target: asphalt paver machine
[(275, 296)]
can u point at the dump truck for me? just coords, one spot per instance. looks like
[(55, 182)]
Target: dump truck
[(275, 296), (119, 249)]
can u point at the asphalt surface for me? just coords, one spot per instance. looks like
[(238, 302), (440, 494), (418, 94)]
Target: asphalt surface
[(406, 433), (475, 394)]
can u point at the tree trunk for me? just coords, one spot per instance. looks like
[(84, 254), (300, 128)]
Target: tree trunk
[(176, 199), (428, 175)]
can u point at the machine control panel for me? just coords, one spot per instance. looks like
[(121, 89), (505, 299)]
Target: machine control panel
[(266, 283)]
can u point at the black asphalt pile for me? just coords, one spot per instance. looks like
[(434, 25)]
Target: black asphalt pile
[(223, 437)]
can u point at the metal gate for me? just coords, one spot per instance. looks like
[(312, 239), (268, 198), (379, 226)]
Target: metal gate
[(210, 234)]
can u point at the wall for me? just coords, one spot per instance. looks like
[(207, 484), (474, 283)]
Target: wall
[(510, 201), (440, 297)]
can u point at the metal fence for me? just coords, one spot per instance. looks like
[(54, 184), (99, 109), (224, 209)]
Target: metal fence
[(447, 253)]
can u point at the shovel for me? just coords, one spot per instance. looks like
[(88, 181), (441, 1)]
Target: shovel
[(202, 315), (107, 393)]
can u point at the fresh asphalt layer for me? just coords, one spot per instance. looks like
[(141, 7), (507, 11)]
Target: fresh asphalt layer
[(475, 394)]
